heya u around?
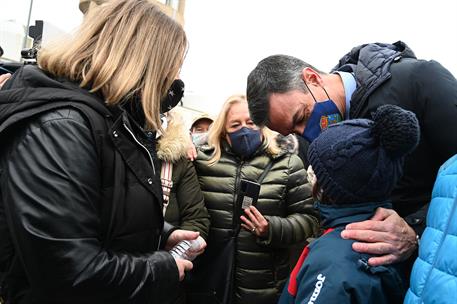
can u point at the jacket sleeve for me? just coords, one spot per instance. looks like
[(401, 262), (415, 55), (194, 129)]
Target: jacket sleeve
[(167, 230), (301, 221), (437, 93), (50, 189), (189, 196)]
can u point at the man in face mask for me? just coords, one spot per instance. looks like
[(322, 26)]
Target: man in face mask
[(199, 129), (291, 96)]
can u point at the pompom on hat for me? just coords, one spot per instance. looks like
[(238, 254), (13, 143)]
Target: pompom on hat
[(361, 160)]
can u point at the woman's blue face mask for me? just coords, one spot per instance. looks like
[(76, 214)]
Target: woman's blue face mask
[(245, 141)]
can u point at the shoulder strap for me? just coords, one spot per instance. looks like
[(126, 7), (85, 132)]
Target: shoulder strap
[(99, 123), (98, 126), (166, 173), (265, 171)]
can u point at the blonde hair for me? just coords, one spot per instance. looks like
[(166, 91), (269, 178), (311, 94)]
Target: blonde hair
[(123, 48), (217, 131)]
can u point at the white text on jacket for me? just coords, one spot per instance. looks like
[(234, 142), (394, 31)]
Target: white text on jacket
[(317, 289)]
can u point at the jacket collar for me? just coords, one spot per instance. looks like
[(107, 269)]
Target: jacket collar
[(333, 216), (174, 143), (370, 64)]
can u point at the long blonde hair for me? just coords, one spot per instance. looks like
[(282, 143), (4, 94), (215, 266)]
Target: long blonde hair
[(217, 131), (123, 47)]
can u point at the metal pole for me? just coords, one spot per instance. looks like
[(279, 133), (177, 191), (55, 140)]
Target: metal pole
[(24, 44)]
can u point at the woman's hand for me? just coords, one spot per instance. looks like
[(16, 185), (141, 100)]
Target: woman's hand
[(197, 251), (183, 266), (180, 235), (255, 222), (4, 78), (191, 153)]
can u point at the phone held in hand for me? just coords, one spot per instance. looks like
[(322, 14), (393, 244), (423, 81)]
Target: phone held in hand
[(249, 193)]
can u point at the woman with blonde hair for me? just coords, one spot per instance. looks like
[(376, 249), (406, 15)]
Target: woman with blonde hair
[(81, 202), (259, 204)]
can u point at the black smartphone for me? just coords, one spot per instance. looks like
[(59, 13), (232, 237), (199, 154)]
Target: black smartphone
[(249, 193)]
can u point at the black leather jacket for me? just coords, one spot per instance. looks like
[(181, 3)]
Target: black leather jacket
[(55, 197)]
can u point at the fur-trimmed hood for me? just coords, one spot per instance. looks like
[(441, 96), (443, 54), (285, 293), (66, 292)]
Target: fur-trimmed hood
[(174, 143)]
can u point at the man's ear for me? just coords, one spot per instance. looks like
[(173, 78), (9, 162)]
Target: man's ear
[(311, 77)]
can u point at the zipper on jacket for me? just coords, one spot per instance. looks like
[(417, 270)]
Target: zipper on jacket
[(235, 198), (236, 229), (141, 145), (152, 163)]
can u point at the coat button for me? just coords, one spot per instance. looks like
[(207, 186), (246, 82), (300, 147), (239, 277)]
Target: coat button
[(150, 181), (115, 134)]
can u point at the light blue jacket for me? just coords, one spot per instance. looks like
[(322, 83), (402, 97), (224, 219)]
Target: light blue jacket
[(434, 275)]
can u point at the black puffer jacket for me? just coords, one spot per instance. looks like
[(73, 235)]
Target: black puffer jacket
[(262, 265), (391, 74), (54, 202)]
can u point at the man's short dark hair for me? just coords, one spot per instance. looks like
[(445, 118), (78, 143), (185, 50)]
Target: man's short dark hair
[(274, 74)]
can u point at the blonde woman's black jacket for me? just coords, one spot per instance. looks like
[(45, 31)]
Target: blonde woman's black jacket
[(75, 228), (262, 265), (391, 74)]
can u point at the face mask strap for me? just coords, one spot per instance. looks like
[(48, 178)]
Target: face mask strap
[(326, 92), (310, 91), (313, 94)]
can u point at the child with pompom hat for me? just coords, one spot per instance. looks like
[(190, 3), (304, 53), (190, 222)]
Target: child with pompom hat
[(354, 166)]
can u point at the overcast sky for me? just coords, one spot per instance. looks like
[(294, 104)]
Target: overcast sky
[(64, 14), (228, 37), (226, 44)]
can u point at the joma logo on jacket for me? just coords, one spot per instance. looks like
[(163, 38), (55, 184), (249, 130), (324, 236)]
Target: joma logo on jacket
[(317, 289)]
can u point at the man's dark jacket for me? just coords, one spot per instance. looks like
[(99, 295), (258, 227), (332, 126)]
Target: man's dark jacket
[(332, 272), (391, 74), (75, 228)]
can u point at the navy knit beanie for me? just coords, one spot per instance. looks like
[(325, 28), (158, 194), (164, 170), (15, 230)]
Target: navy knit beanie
[(361, 160)]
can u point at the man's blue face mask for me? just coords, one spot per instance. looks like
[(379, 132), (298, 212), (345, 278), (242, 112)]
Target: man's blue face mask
[(324, 114)]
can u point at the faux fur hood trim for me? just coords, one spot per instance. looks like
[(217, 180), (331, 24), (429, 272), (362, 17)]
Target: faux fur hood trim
[(175, 142)]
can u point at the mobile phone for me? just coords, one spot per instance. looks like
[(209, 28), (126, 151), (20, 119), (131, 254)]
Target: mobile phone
[(249, 193)]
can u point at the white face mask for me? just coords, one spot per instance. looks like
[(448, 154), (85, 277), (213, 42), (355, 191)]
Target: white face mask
[(200, 139)]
